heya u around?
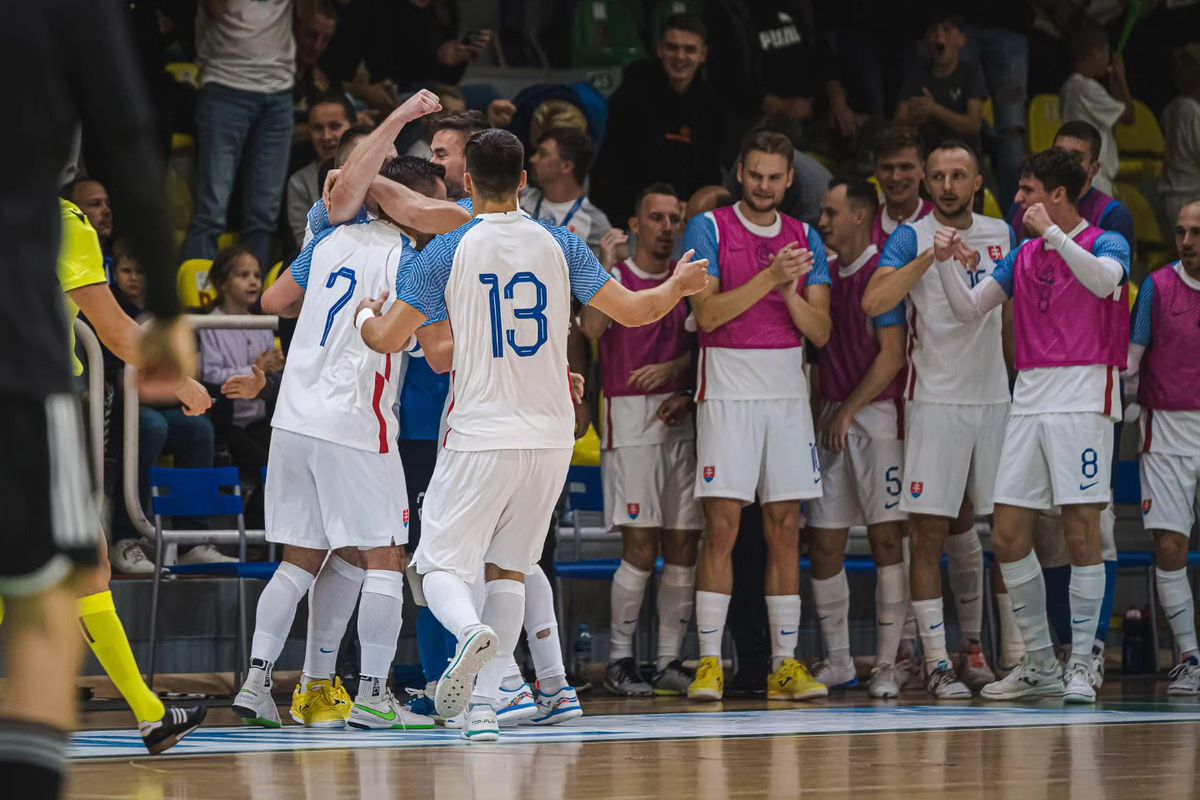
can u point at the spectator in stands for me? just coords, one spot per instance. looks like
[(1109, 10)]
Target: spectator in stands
[(810, 180), (943, 98), (1103, 104), (707, 198), (1180, 182), (329, 117), (430, 49), (449, 143), (664, 123), (247, 56), (244, 366), (559, 167), (313, 31), (92, 198)]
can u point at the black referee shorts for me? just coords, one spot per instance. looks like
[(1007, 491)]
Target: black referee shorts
[(48, 519)]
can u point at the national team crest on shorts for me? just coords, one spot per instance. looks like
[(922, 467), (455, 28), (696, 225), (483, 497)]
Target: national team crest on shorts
[(633, 509), (709, 474), (995, 252), (916, 488), (1146, 505), (406, 517)]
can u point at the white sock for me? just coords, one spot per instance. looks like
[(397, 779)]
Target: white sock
[(908, 637), (513, 679), (277, 610), (450, 600), (891, 606), (541, 632), (676, 601), (331, 601), (1087, 594), (1012, 646), (965, 555), (931, 622), (783, 612), (711, 609), (832, 596), (379, 616), (1175, 595), (503, 612), (1027, 588), (628, 589)]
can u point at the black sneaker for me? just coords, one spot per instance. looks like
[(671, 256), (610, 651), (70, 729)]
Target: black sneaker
[(748, 682), (672, 680), (622, 677), (177, 722)]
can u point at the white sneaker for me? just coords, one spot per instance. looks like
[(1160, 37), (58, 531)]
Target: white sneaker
[(836, 675), (385, 713), (908, 672), (1185, 679), (516, 705), (561, 706), (943, 683), (205, 554), (884, 684), (1027, 681), (254, 704), (479, 724), (458, 680), (1078, 685), (128, 558), (1098, 666)]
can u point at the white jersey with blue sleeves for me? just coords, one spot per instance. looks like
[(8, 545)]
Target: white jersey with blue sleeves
[(505, 283)]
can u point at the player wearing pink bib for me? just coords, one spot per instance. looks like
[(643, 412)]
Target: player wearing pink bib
[(1164, 372), (648, 458), (1070, 317), (754, 425), (860, 426)]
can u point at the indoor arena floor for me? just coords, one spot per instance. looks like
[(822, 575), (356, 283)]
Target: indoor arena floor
[(1137, 743)]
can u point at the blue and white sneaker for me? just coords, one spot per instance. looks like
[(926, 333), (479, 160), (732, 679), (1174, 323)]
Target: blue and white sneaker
[(553, 709), (420, 701), (515, 705), (836, 675)]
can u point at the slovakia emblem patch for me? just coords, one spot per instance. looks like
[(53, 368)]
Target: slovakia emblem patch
[(916, 488), (709, 474), (406, 517), (633, 509), (1146, 505), (995, 252)]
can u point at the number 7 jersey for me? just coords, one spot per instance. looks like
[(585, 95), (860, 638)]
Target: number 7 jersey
[(505, 282), (334, 387)]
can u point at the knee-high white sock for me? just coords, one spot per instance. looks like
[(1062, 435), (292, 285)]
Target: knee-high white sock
[(832, 596), (450, 600), (965, 555), (676, 600), (931, 623), (908, 636), (628, 589), (1012, 646), (891, 606), (1027, 588), (541, 631), (1175, 595), (277, 610), (331, 601), (783, 613), (1087, 594), (379, 615), (503, 612), (711, 610), (478, 591)]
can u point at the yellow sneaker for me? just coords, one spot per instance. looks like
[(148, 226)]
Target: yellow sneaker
[(792, 681), (324, 705), (709, 684)]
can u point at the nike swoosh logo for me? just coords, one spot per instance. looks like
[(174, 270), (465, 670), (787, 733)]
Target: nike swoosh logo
[(1177, 613), (1079, 621), (966, 600), (1083, 487), (629, 621), (891, 505), (935, 627), (1018, 608), (714, 630), (323, 650), (388, 717), (789, 633)]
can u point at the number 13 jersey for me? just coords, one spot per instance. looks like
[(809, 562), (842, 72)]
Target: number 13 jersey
[(334, 387), (505, 282)]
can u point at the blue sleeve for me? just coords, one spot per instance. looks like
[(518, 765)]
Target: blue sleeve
[(1113, 245), (303, 263), (891, 319), (1003, 271), (422, 284), (1118, 220), (1140, 329), (408, 260), (701, 236), (468, 204), (820, 271), (1012, 237), (901, 248), (318, 218), (587, 276)]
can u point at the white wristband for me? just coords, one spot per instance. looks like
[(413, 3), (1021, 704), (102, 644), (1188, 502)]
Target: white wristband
[(363, 316)]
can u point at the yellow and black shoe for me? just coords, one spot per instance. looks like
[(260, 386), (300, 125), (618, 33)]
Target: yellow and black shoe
[(793, 681), (326, 704), (709, 685)]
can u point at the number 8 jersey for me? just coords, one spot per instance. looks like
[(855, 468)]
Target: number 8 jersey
[(334, 387), (504, 282)]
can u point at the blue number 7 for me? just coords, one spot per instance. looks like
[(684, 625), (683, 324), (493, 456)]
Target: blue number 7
[(344, 272)]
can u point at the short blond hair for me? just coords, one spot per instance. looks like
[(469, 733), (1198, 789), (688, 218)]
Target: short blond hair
[(555, 114)]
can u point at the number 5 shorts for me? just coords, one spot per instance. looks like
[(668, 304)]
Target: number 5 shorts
[(950, 450), (1056, 460), (862, 484)]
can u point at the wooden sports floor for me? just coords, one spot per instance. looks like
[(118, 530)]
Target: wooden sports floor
[(1136, 743)]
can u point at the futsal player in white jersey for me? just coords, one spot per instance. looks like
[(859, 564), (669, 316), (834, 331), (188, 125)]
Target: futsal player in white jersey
[(504, 282), (957, 407)]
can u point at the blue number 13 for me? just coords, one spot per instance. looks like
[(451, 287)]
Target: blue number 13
[(348, 274), (535, 312)]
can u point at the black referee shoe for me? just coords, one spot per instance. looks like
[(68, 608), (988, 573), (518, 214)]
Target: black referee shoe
[(177, 722)]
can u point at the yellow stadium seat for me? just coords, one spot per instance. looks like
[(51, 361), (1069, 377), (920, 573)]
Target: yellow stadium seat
[(179, 201), (1044, 121), (1133, 293), (587, 449), (989, 113), (227, 239), (1145, 224), (1143, 137), (183, 144), (273, 275), (185, 72), (192, 283), (991, 206), (180, 237)]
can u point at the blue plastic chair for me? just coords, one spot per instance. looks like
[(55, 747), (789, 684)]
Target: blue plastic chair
[(213, 492)]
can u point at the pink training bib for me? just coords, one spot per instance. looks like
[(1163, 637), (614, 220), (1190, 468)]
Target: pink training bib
[(852, 345), (1171, 367), (623, 350)]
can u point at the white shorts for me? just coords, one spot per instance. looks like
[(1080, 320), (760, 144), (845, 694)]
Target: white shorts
[(326, 495), (1057, 459), (489, 506), (652, 486), (768, 447), (862, 484), (1170, 492), (951, 450)]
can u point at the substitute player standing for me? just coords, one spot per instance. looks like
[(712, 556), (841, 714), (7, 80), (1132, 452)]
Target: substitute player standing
[(1068, 307), (1164, 366), (958, 403), (860, 425), (507, 280), (754, 425), (899, 170), (649, 454)]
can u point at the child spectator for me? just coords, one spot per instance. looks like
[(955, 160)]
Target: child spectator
[(1096, 92), (1180, 182)]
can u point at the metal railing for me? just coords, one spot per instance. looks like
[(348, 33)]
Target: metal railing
[(86, 337)]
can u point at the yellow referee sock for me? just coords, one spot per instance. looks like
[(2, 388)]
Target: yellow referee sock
[(106, 636)]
